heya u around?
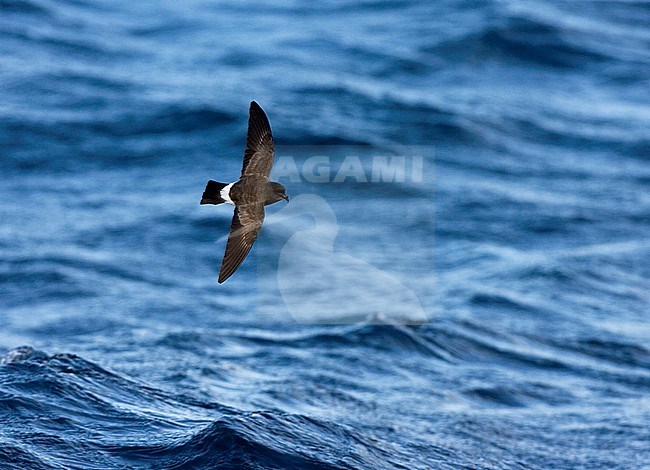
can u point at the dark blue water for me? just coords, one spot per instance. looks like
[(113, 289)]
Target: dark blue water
[(521, 248)]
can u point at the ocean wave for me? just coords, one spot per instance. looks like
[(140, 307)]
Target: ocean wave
[(80, 397), (256, 440), (66, 277), (525, 39), (23, 6), (616, 352), (420, 121), (134, 131), (521, 395), (168, 120)]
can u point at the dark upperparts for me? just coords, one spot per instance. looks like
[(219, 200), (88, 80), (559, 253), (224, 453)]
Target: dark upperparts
[(277, 193), (259, 153)]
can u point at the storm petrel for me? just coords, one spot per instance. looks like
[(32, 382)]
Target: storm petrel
[(250, 194)]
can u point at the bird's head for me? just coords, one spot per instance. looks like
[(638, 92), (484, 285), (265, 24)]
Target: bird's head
[(279, 192)]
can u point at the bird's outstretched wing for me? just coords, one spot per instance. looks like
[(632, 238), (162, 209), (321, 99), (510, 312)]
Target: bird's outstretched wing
[(259, 153), (244, 228)]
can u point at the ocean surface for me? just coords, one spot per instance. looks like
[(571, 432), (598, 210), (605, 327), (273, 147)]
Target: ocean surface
[(461, 281)]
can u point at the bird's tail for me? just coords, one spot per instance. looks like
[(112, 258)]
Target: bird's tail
[(212, 193)]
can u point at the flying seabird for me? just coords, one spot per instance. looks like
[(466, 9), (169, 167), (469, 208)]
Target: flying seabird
[(250, 194)]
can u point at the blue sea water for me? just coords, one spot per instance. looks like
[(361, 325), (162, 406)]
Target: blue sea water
[(525, 238)]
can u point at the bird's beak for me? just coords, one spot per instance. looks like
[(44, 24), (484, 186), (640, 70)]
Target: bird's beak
[(286, 198)]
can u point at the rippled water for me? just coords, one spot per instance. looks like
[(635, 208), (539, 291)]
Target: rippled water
[(523, 243)]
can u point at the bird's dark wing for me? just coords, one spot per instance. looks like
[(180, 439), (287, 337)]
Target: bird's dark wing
[(245, 226), (258, 157)]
